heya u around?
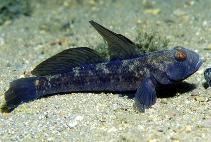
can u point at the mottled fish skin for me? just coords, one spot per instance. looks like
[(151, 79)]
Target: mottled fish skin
[(127, 70), (207, 76), (119, 75)]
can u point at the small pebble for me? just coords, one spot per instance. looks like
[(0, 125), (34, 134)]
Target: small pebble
[(179, 12), (50, 139), (188, 128), (201, 71), (206, 123), (74, 121), (152, 11), (111, 130), (208, 47), (164, 101), (152, 140), (175, 141), (147, 4), (2, 41), (189, 3), (201, 99)]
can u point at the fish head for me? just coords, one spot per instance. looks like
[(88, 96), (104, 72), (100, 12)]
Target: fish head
[(184, 63)]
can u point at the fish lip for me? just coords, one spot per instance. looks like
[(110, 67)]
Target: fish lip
[(198, 65)]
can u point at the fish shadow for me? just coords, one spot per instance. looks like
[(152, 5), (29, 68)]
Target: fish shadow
[(171, 90), (167, 91)]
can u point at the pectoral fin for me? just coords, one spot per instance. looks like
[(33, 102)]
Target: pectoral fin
[(145, 95)]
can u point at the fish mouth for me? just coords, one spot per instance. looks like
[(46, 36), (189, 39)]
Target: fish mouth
[(197, 66)]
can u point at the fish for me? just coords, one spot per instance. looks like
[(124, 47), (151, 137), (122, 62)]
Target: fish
[(207, 76), (83, 69)]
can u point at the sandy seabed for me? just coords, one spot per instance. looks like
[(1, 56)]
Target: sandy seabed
[(55, 26)]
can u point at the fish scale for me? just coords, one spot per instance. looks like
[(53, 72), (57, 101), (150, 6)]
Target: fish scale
[(93, 78)]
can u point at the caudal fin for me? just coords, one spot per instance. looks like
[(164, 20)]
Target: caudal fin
[(20, 91)]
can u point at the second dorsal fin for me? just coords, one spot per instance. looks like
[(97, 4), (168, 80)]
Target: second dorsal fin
[(119, 46), (66, 60)]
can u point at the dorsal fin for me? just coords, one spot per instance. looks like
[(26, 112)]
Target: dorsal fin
[(66, 60), (119, 46)]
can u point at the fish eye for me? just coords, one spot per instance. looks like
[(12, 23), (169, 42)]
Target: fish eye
[(180, 55)]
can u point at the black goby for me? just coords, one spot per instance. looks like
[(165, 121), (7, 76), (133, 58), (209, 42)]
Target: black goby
[(83, 70)]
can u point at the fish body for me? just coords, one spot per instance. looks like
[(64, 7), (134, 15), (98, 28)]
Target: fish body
[(118, 75), (84, 70)]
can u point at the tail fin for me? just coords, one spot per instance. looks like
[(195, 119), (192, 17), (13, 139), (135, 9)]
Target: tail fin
[(20, 91)]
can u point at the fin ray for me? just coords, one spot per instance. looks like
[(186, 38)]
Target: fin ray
[(66, 60), (145, 95), (119, 46), (20, 91)]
